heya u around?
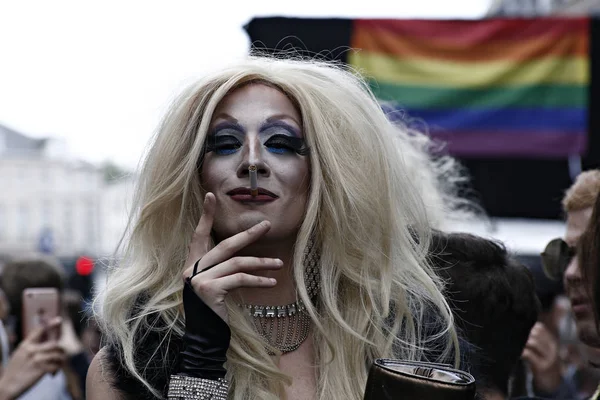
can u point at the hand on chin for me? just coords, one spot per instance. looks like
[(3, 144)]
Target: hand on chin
[(249, 219), (240, 223)]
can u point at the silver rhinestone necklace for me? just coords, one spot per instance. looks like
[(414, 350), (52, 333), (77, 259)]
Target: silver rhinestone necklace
[(287, 327)]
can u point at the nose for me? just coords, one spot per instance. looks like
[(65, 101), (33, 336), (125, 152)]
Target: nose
[(253, 154), (573, 272)]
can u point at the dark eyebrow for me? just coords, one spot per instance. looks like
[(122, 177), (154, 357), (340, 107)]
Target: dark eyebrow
[(281, 124), (230, 122), (226, 116), (278, 117), (228, 125), (272, 121)]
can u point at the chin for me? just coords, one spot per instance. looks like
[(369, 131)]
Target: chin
[(228, 227), (248, 219), (278, 232)]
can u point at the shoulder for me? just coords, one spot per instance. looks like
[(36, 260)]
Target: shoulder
[(155, 358), (98, 381)]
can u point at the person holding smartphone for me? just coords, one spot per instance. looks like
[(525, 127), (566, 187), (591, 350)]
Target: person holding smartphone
[(32, 359), (34, 289)]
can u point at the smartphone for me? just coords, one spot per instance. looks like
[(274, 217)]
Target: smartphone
[(40, 306)]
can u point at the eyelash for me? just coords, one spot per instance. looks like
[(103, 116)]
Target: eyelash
[(223, 145), (282, 144), (278, 144)]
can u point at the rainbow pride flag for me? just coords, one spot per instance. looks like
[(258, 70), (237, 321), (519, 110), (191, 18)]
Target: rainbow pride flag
[(498, 87)]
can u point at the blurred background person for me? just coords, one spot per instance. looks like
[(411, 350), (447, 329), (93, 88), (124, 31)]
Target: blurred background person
[(561, 261), (589, 259), (589, 268), (494, 303), (91, 337), (548, 373), (67, 383), (578, 205), (72, 337), (4, 338), (31, 361)]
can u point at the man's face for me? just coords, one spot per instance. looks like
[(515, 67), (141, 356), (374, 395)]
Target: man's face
[(575, 287)]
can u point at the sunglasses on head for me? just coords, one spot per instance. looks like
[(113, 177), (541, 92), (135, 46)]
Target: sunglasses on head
[(556, 258)]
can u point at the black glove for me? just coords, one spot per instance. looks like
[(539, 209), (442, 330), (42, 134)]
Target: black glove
[(205, 341)]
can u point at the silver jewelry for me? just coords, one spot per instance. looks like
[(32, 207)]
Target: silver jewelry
[(287, 327), (183, 387)]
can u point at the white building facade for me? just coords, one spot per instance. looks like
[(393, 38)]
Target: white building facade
[(48, 201), (117, 197)]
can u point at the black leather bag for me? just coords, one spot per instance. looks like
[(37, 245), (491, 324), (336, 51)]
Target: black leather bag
[(406, 380)]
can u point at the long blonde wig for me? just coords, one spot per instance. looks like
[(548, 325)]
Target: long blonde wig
[(367, 206)]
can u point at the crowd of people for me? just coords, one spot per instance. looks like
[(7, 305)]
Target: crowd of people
[(35, 366), (288, 241)]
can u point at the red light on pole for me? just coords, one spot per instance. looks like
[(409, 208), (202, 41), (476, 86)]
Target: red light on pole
[(84, 266)]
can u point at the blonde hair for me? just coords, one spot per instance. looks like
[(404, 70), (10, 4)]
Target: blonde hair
[(366, 210), (582, 194)]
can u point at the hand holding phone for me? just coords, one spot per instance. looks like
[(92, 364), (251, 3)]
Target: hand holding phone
[(40, 306), (31, 360)]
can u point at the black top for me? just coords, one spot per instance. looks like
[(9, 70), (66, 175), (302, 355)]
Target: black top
[(156, 357)]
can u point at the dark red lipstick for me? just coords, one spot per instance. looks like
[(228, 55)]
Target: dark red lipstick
[(243, 194)]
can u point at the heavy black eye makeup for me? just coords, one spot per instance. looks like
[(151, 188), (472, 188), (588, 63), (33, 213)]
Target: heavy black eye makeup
[(222, 144), (225, 138), (281, 138), (281, 144)]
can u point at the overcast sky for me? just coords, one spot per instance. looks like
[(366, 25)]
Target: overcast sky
[(100, 74)]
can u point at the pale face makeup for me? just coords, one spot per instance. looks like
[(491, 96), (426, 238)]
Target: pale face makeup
[(575, 287), (257, 125)]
